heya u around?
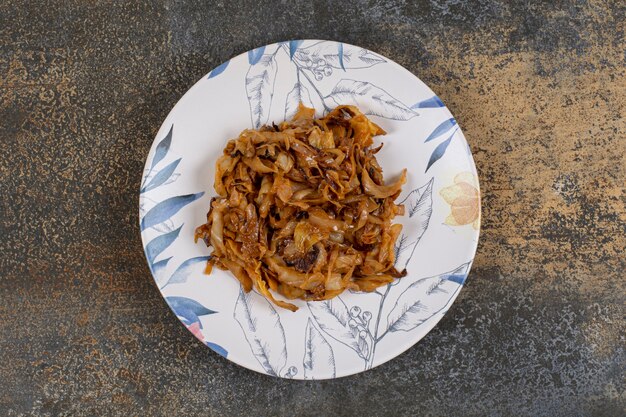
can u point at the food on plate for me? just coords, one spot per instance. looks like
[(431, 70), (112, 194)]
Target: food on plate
[(303, 210)]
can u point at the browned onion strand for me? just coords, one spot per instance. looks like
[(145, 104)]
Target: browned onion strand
[(303, 209)]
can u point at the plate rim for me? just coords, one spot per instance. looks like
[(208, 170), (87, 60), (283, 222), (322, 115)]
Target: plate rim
[(387, 355)]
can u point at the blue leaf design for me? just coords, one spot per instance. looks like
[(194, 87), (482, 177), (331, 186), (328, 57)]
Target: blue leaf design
[(255, 55), (293, 47), (459, 279), (429, 103), (159, 266), (439, 151), (161, 176), (219, 69), (162, 148), (340, 47), (160, 243), (441, 129), (166, 209), (217, 349), (187, 309), (182, 272)]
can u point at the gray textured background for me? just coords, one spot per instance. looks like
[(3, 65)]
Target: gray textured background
[(540, 93)]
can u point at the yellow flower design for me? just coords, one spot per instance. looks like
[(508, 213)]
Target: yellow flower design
[(464, 200)]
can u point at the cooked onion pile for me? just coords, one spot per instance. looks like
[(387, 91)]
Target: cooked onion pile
[(303, 209)]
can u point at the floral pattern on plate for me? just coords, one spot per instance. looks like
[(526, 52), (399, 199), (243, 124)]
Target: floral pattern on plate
[(355, 331)]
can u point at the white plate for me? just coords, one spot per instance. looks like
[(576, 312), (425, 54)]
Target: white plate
[(353, 332)]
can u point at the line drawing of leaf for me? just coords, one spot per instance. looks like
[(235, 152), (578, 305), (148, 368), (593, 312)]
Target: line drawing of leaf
[(318, 354), (218, 70), (419, 205), (157, 270), (293, 47), (429, 103), (340, 52), (160, 243), (441, 129), (187, 309), (255, 55), (415, 200), (263, 331), (372, 99), (423, 299), (399, 248), (182, 272), (260, 81), (341, 56), (166, 209), (161, 177), (217, 349), (298, 94), (439, 151), (333, 317), (162, 148)]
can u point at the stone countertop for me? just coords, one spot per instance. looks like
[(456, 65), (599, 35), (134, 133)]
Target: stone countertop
[(540, 92)]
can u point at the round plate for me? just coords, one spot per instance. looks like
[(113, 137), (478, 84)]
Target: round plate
[(355, 331)]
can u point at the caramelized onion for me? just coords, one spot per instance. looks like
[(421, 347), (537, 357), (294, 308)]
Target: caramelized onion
[(381, 191), (303, 210)]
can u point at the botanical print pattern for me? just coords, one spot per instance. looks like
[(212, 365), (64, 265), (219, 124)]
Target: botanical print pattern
[(354, 327), (464, 200), (318, 354), (312, 64), (440, 150), (327, 329), (263, 331), (419, 207), (159, 217), (189, 312)]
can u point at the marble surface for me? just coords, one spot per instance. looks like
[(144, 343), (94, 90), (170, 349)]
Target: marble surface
[(540, 92)]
